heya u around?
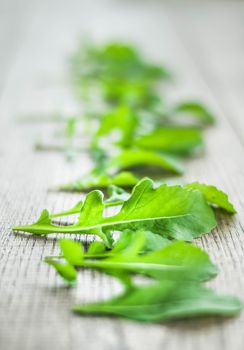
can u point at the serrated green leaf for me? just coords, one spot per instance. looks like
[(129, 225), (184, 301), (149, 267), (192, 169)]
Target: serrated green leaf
[(171, 211)]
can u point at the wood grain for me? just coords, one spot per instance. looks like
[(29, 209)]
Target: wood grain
[(202, 42)]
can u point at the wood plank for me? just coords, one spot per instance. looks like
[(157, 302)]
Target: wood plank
[(13, 19), (35, 307)]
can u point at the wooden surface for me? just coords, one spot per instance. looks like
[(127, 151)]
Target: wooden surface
[(203, 42)]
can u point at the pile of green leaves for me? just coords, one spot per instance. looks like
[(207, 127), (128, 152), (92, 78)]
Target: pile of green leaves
[(127, 126), (153, 223), (175, 274), (147, 241), (136, 129), (120, 73)]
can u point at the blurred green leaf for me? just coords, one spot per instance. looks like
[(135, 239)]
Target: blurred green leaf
[(195, 110), (175, 140), (165, 300)]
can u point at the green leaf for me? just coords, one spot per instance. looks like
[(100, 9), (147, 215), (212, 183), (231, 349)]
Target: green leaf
[(196, 110), (177, 260), (65, 270), (171, 211), (137, 157), (44, 218), (214, 196), (173, 140), (96, 248), (165, 300), (122, 179), (72, 251)]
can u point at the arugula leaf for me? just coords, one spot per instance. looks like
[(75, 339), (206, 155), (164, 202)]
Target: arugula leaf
[(91, 181), (213, 195), (149, 218), (165, 300), (176, 140), (177, 260), (117, 195), (171, 211), (196, 110), (130, 158), (126, 243)]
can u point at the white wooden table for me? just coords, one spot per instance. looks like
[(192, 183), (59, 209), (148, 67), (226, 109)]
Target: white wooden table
[(203, 43)]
